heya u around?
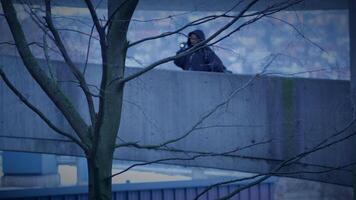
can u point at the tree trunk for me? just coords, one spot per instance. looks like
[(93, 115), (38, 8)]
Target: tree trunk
[(114, 51), (99, 172)]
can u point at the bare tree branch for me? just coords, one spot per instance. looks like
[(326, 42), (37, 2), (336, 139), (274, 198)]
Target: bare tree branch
[(35, 18), (36, 110), (136, 60), (266, 12), (70, 63), (48, 85), (213, 154), (94, 17), (104, 57), (299, 33), (38, 44), (90, 35), (88, 49), (78, 84), (111, 17), (162, 18), (165, 34), (73, 19), (48, 59), (36, 138)]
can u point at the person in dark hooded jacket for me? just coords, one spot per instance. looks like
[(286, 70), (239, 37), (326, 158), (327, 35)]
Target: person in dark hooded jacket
[(203, 59)]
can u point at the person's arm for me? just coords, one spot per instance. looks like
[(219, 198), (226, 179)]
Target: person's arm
[(181, 61)]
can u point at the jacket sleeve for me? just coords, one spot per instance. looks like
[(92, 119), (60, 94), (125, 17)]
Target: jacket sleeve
[(181, 61), (214, 62)]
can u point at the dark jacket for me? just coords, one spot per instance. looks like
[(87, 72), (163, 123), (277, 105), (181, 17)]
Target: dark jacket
[(201, 60)]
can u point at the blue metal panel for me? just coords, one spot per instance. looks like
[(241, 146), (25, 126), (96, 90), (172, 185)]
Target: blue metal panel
[(82, 197), (264, 192), (82, 172), (270, 191), (254, 193), (179, 193), (191, 193), (71, 197), (49, 164), (146, 195), (134, 195), (57, 198), (222, 191), (244, 194), (204, 196), (157, 194), (120, 195), (213, 193), (231, 188), (21, 163), (168, 194), (133, 192)]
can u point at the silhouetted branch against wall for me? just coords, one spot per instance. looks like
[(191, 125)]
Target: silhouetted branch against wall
[(36, 110), (74, 69), (207, 114), (49, 86), (326, 143), (189, 155), (256, 179)]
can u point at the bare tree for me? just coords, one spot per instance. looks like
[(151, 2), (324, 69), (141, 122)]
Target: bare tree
[(97, 138)]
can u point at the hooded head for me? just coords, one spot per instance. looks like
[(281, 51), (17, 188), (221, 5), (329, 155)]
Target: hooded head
[(198, 33)]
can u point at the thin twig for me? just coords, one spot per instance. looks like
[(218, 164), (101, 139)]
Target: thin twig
[(299, 33), (47, 57), (79, 32), (88, 50)]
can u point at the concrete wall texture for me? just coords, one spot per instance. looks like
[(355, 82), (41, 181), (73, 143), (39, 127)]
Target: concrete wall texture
[(265, 122)]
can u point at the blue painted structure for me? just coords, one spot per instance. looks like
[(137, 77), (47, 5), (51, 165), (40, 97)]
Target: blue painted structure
[(28, 163), (173, 190)]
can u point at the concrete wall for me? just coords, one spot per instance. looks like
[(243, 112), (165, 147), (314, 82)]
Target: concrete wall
[(296, 114)]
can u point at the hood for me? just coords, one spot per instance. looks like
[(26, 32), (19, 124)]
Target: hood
[(198, 33)]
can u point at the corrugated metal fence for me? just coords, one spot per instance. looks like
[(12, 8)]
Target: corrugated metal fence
[(173, 190)]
